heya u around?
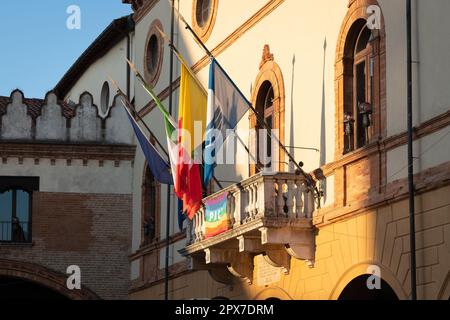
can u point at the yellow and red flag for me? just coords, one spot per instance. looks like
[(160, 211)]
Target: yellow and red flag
[(191, 131)]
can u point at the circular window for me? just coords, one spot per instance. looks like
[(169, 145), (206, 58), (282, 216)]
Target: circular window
[(203, 17), (153, 53), (202, 12), (104, 98)]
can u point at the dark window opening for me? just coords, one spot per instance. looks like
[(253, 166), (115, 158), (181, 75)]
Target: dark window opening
[(20, 289), (357, 289), (203, 11), (104, 99), (150, 208), (15, 208), (152, 54), (358, 113), (265, 107)]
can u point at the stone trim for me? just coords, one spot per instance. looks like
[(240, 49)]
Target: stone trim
[(66, 151), (425, 181), (153, 77), (157, 245)]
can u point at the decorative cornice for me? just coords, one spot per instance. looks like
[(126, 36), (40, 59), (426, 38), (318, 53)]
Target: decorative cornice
[(266, 56), (140, 7), (66, 151)]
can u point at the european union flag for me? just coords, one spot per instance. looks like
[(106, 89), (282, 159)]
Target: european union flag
[(157, 165)]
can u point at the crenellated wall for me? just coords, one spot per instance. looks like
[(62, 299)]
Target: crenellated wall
[(51, 120)]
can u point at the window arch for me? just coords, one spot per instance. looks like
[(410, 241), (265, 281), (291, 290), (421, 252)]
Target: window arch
[(150, 208), (269, 99), (360, 81)]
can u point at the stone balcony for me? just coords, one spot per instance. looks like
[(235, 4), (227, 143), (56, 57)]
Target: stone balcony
[(269, 215)]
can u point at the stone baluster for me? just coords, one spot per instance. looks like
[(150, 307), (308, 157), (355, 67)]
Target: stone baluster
[(238, 212), (254, 188), (309, 203), (290, 198), (280, 199), (248, 208), (299, 199)]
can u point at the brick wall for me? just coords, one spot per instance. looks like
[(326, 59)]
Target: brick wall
[(92, 231)]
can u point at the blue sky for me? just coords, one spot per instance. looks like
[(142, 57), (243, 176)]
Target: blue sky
[(36, 46)]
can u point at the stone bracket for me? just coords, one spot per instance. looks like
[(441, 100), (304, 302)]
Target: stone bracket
[(279, 259), (250, 244), (298, 243), (238, 264)]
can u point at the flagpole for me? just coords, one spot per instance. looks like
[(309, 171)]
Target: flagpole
[(180, 58), (257, 114), (127, 104), (165, 113), (166, 279)]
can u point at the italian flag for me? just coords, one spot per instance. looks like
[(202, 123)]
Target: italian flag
[(186, 142)]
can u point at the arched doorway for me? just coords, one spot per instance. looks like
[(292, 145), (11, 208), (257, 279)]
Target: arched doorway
[(357, 290), (25, 280), (12, 288)]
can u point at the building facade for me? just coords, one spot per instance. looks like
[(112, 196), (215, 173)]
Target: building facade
[(331, 77), (65, 199)]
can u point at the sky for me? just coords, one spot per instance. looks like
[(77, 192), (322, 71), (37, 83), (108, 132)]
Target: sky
[(37, 47)]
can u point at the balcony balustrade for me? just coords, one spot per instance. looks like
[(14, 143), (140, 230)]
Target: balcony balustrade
[(268, 214)]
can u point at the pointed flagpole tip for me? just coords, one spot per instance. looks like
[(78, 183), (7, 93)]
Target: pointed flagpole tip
[(114, 83), (132, 66), (166, 38)]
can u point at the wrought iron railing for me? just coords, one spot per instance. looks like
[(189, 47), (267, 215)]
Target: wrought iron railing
[(14, 232)]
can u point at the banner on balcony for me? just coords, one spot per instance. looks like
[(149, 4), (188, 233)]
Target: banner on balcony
[(216, 216)]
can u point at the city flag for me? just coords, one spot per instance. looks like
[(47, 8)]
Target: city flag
[(226, 107), (191, 129), (157, 165)]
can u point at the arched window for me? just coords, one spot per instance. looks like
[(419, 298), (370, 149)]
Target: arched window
[(15, 216), (104, 99), (360, 81), (150, 208), (268, 97), (265, 107), (358, 112)]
